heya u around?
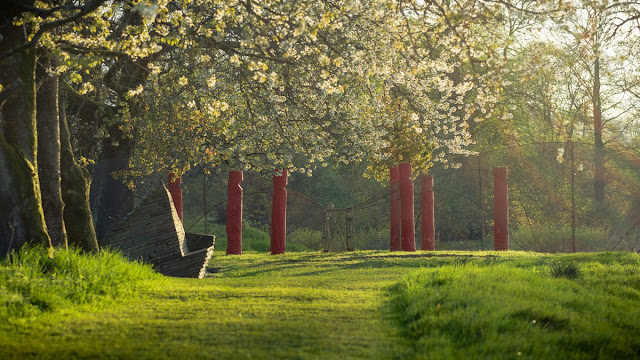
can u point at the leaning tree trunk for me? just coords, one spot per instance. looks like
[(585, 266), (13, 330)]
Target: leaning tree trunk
[(49, 152), (75, 191), (22, 219)]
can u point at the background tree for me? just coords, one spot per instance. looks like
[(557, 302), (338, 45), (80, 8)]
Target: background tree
[(168, 86)]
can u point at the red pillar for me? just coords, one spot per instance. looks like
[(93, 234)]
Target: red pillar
[(234, 213), (279, 212), (394, 233), (428, 225), (501, 208), (176, 193), (407, 226)]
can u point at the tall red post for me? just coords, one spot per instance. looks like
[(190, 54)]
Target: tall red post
[(394, 233), (428, 224), (407, 226), (176, 193), (234, 213), (279, 212), (501, 208)]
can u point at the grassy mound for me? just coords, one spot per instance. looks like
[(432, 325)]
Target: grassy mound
[(562, 307), (35, 280)]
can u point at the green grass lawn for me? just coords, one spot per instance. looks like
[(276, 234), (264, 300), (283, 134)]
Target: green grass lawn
[(360, 305), (561, 307)]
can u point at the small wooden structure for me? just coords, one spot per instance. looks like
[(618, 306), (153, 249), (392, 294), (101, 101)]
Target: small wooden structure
[(153, 233)]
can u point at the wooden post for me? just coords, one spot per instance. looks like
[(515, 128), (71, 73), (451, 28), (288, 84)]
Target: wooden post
[(326, 236), (176, 193), (428, 225), (501, 208), (326, 227), (349, 228), (407, 227), (234, 213), (394, 236), (279, 212)]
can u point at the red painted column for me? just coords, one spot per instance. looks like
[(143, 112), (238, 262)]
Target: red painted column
[(501, 208), (176, 193), (279, 212), (407, 226), (428, 224), (394, 233), (234, 213)]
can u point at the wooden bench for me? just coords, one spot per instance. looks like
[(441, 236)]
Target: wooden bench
[(154, 234)]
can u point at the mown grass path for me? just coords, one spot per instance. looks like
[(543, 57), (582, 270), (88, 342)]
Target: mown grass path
[(351, 305), (295, 306)]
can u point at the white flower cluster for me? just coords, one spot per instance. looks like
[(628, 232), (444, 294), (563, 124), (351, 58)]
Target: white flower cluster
[(271, 84)]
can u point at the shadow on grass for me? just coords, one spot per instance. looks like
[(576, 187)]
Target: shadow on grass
[(326, 263), (331, 262)]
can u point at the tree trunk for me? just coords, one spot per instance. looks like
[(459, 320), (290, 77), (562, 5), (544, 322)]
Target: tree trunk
[(111, 200), (75, 192), (49, 152), (22, 218), (598, 153), (115, 199)]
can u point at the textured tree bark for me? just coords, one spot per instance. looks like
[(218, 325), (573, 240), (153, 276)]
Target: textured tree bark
[(49, 152), (75, 183), (407, 230), (427, 227), (279, 213), (394, 226), (22, 218), (234, 213), (20, 205)]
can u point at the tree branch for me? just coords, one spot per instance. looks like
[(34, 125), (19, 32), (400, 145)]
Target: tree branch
[(43, 12), (85, 10)]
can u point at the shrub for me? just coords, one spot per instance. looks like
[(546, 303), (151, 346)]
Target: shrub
[(558, 239), (253, 238), (371, 239), (466, 245), (306, 238)]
